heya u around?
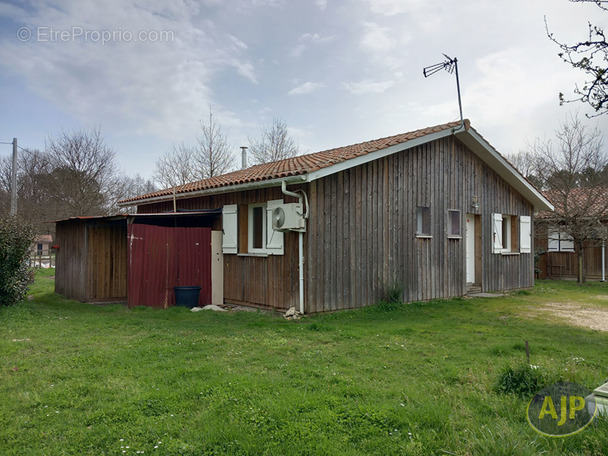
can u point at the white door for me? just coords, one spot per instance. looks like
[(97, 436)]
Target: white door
[(470, 248)]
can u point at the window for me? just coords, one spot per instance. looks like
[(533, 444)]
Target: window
[(560, 241), (257, 228), (247, 229), (511, 234), (423, 221), (506, 233), (454, 230)]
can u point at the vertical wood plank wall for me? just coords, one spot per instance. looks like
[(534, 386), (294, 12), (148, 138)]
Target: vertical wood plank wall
[(107, 261), (362, 230), (70, 266), (556, 265), (92, 260)]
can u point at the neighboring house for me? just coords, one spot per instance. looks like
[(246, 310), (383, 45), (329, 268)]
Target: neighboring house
[(436, 211), (552, 236), (41, 245)]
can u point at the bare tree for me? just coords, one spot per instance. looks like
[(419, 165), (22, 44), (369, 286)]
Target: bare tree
[(591, 57), (177, 167), (34, 205), (275, 144), (526, 164), (213, 151), (572, 173), (83, 173), (130, 187)]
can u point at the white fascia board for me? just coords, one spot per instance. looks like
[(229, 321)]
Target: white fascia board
[(219, 190), (342, 166), (497, 162)]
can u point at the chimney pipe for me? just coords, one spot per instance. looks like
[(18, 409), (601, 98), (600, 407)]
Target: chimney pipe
[(244, 157)]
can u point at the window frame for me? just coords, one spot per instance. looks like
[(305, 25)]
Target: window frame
[(250, 229), (506, 231), (423, 214), (449, 224), (561, 239)]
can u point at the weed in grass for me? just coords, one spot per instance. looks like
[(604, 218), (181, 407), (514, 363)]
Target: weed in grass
[(523, 380)]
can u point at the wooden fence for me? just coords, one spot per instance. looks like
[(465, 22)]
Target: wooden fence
[(42, 261)]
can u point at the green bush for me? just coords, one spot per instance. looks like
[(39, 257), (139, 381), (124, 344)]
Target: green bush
[(16, 237), (523, 380), (392, 292)]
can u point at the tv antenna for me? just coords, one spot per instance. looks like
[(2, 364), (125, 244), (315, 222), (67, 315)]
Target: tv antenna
[(450, 65)]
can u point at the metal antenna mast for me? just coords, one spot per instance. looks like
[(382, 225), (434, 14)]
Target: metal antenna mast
[(450, 65)]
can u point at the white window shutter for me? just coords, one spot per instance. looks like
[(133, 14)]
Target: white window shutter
[(553, 238), (497, 233), (230, 228), (525, 234), (274, 239), (566, 242)]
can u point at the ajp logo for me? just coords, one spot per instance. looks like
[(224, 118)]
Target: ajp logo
[(561, 409)]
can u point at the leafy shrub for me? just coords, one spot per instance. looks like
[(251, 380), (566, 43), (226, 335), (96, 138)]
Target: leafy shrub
[(392, 292), (523, 380), (16, 236)]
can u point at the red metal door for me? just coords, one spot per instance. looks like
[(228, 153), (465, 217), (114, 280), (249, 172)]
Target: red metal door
[(161, 258)]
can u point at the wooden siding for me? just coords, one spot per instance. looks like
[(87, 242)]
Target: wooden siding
[(107, 261), (70, 267), (362, 230), (558, 265), (269, 282), (92, 260)]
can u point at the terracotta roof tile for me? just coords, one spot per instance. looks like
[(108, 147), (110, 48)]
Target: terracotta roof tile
[(590, 201), (295, 166)]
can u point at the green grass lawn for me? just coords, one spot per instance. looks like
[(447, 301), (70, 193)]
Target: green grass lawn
[(389, 379)]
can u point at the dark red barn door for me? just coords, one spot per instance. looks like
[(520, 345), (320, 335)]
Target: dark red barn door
[(161, 258)]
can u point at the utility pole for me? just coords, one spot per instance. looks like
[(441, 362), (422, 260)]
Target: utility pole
[(14, 179)]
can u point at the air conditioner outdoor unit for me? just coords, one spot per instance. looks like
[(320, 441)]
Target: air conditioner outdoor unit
[(288, 217)]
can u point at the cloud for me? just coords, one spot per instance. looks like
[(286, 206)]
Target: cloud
[(148, 86), (310, 38), (367, 86), (377, 39), (316, 38), (381, 41), (321, 4), (307, 87)]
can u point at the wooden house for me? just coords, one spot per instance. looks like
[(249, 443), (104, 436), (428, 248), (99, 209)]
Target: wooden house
[(434, 212), (587, 212), (41, 245)]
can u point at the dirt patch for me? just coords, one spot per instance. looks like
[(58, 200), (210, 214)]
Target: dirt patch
[(583, 315)]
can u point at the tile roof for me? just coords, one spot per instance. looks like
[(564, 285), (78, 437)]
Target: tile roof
[(295, 166), (586, 201)]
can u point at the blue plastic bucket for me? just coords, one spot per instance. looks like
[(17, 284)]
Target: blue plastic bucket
[(187, 296)]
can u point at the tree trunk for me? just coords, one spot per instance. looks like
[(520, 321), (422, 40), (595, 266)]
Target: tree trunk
[(580, 266)]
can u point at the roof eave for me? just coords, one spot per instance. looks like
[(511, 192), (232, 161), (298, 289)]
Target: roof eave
[(375, 155), (497, 162), (299, 179)]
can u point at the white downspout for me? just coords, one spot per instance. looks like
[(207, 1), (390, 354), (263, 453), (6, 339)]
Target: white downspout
[(603, 261), (300, 245)]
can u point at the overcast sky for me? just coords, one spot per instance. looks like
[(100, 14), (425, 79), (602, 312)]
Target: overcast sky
[(337, 72)]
